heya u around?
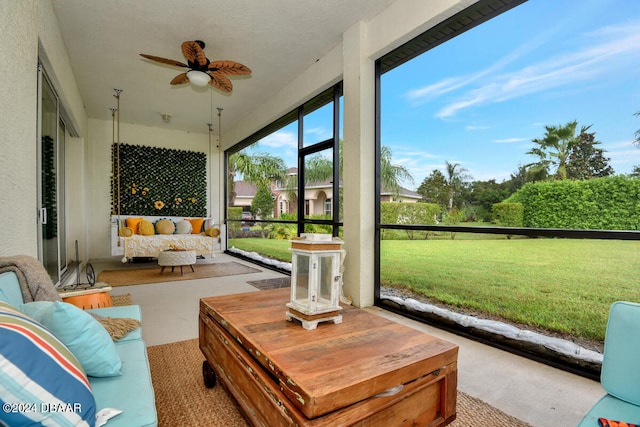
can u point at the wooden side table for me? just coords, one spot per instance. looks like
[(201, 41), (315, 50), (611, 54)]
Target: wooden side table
[(176, 259)]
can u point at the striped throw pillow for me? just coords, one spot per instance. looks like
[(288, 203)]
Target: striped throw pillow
[(41, 381)]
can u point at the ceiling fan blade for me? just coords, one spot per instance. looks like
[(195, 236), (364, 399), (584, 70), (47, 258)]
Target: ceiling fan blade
[(180, 79), (230, 68), (219, 81), (194, 53), (164, 60)]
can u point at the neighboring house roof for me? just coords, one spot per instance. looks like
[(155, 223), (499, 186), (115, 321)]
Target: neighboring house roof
[(245, 189), (248, 189), (403, 192)]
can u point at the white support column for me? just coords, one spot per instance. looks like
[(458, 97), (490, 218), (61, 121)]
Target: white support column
[(359, 176)]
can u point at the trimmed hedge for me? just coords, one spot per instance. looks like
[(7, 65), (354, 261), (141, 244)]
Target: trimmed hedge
[(611, 203), (508, 214), (409, 213)]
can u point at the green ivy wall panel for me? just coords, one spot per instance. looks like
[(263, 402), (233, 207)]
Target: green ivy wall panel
[(159, 181)]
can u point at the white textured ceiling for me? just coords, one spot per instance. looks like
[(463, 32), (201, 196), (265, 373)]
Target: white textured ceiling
[(277, 39)]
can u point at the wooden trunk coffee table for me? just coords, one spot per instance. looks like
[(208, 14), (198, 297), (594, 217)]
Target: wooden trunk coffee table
[(366, 371)]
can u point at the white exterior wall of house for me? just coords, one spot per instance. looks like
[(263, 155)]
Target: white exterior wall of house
[(31, 24), (30, 29)]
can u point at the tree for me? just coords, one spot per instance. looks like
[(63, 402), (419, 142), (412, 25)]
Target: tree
[(484, 194), (433, 189), (637, 140), (586, 161), (523, 175), (636, 169), (554, 148), (262, 203), (456, 176), (260, 169), (391, 175), (319, 168)]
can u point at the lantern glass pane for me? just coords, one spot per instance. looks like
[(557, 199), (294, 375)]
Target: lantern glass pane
[(302, 279), (326, 276)]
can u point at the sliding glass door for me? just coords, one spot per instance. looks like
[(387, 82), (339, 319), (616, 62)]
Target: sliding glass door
[(51, 240)]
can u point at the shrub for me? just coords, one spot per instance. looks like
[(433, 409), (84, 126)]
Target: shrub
[(508, 214), (409, 213), (234, 226), (611, 203), (453, 217)]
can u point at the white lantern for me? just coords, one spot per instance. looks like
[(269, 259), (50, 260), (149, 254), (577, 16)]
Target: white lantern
[(315, 280)]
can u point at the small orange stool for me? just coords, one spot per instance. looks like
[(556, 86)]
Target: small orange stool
[(89, 298)]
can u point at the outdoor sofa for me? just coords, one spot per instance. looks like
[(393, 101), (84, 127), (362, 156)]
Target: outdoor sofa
[(27, 350), (203, 238)]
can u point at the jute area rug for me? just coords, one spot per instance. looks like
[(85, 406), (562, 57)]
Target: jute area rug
[(145, 275), (183, 400)]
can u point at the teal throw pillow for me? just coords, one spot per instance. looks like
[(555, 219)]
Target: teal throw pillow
[(87, 339)]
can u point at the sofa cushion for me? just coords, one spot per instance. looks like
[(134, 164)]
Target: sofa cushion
[(81, 333), (196, 225), (10, 289), (165, 226), (612, 408), (126, 232), (212, 232), (138, 403), (50, 374), (184, 227), (134, 223), (146, 228)]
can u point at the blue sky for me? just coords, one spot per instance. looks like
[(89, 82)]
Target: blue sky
[(479, 99)]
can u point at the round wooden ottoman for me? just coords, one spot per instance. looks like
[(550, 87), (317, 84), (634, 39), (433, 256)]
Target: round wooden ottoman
[(175, 259)]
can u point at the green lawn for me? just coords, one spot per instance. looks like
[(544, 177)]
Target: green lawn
[(270, 248), (559, 285)]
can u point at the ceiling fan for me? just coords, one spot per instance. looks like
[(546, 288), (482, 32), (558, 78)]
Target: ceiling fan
[(202, 71)]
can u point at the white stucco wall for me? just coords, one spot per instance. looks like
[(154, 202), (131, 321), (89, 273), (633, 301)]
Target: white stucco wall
[(18, 73), (29, 29)]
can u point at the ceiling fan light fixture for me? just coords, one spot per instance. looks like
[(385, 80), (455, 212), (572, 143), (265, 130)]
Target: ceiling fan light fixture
[(198, 78)]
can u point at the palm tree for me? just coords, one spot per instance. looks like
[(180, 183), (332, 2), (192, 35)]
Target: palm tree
[(260, 169), (637, 140), (319, 168), (391, 175), (555, 147), (456, 175)]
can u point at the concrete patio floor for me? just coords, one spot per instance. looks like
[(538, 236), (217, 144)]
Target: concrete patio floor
[(530, 391)]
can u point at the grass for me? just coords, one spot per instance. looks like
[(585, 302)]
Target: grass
[(559, 285), (270, 248)]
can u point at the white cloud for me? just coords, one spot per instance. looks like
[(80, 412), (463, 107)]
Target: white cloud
[(624, 155), (510, 140), (319, 133), (607, 48), (280, 139), (427, 93), (477, 127)]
